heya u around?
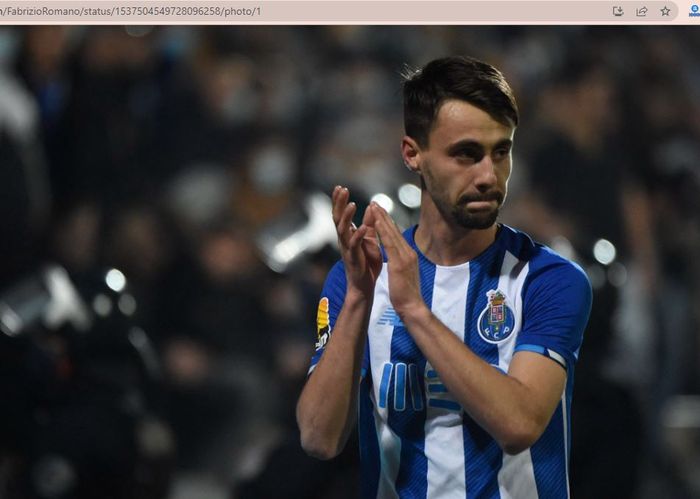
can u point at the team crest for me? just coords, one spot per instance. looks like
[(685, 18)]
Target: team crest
[(497, 321)]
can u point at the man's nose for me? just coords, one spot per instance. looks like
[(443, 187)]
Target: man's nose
[(485, 172)]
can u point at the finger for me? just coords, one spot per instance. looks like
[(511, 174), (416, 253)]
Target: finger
[(341, 195), (370, 245), (363, 248), (385, 240), (345, 226), (339, 203), (371, 235), (357, 237), (386, 228), (379, 212), (368, 218)]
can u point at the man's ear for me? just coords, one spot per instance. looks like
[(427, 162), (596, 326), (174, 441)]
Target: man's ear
[(410, 151)]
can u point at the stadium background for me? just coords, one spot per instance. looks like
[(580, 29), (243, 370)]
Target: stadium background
[(185, 156)]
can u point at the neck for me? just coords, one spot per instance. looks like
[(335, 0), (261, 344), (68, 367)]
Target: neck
[(446, 243)]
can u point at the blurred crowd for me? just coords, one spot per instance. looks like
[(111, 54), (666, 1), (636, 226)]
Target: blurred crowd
[(169, 152)]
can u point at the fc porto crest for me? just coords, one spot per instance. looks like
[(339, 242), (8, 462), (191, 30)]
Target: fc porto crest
[(496, 321)]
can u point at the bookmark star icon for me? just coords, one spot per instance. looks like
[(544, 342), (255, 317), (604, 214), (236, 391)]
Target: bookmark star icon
[(665, 11)]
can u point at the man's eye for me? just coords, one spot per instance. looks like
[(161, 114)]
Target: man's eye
[(471, 155), (501, 153)]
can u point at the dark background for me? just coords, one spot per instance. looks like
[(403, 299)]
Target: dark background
[(166, 152)]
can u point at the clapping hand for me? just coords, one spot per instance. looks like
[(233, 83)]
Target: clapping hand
[(359, 247), (404, 280)]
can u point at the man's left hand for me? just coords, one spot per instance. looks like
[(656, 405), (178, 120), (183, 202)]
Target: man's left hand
[(404, 280)]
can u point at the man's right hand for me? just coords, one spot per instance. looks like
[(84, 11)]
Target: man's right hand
[(327, 407), (359, 247)]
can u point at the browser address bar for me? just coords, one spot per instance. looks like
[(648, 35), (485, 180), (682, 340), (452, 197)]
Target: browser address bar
[(336, 12)]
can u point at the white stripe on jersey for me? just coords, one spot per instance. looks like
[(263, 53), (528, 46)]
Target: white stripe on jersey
[(444, 435), (516, 477), (380, 352), (513, 290), (564, 415), (511, 484)]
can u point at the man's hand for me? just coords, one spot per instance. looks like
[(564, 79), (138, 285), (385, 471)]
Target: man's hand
[(404, 280), (359, 248), (327, 408)]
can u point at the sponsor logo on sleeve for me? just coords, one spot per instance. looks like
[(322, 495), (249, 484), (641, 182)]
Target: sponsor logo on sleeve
[(323, 324)]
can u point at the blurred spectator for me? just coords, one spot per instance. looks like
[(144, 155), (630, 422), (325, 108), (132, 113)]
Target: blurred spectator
[(583, 190), (26, 196), (216, 342)]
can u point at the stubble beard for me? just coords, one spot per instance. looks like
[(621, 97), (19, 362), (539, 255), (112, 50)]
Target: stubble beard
[(459, 212), (479, 220)]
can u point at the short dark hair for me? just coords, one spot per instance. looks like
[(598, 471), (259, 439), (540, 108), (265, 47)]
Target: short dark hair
[(459, 77)]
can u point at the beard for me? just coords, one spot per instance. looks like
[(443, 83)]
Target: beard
[(459, 212), (478, 219)]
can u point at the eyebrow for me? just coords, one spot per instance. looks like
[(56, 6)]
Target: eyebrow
[(476, 145)]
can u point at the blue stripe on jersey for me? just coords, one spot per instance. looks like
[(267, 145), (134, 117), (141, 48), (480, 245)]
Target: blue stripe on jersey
[(532, 348), (556, 300), (481, 450), (409, 425), (369, 443), (384, 384), (549, 459), (444, 404), (546, 352), (437, 388), (484, 272), (400, 387), (364, 367), (415, 385), (483, 460)]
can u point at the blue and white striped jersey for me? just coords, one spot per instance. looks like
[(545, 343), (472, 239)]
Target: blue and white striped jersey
[(415, 439)]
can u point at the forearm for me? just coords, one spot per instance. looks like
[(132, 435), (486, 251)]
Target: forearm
[(512, 412), (327, 407)]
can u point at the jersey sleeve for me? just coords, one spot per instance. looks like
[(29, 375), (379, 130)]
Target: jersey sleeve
[(557, 302), (329, 305)]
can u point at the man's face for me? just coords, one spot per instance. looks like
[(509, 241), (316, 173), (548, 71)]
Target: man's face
[(466, 164)]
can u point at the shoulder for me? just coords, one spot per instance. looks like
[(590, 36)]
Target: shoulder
[(537, 255), (337, 270), (546, 267), (335, 284)]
